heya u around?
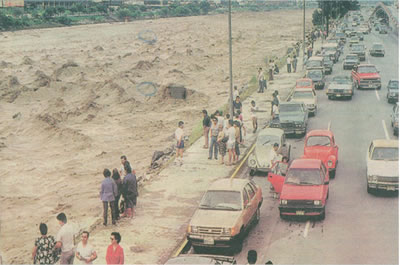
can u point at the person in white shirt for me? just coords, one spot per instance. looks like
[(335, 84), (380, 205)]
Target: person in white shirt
[(275, 112), (261, 79), (226, 123), (122, 172), (231, 142), (85, 252), (235, 92), (289, 64), (179, 137), (65, 240), (276, 154)]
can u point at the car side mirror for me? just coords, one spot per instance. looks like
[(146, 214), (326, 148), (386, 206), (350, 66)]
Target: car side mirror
[(326, 182)]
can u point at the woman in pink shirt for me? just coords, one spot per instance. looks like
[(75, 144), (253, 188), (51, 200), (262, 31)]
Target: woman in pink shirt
[(115, 253)]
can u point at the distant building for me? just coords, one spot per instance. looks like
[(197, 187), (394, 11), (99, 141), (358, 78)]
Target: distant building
[(12, 3)]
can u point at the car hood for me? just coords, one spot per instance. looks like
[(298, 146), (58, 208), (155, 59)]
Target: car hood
[(290, 116), (264, 154), (320, 152), (219, 218), (299, 192), (340, 86), (383, 168), (369, 75)]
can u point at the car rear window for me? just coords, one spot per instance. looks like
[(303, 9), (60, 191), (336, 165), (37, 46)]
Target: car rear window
[(304, 83), (303, 94)]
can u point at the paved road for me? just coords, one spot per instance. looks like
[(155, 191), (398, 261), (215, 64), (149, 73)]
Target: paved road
[(359, 227)]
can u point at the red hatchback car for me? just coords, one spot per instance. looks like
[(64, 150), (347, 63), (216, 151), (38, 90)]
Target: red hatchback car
[(320, 144), (303, 188), (304, 83)]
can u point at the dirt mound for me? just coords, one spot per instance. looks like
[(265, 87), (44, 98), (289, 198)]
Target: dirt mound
[(143, 65), (98, 48), (69, 70), (42, 79), (48, 119), (4, 64), (27, 60)]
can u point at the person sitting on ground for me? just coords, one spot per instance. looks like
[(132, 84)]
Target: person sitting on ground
[(43, 251)]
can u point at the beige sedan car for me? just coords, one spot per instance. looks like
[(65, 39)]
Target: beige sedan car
[(306, 95), (225, 214)]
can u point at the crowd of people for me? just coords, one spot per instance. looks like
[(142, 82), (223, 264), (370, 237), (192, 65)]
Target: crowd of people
[(49, 249)]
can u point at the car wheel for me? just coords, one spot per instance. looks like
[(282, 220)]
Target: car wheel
[(322, 216), (252, 172), (332, 174), (257, 215)]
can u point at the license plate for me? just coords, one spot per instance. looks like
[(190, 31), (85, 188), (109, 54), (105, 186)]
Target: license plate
[(299, 212), (338, 95), (390, 188), (209, 241)]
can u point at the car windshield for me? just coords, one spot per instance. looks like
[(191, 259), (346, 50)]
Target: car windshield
[(314, 74), (393, 84), (304, 83), (304, 176), (377, 47), (290, 108), (318, 141), (267, 139), (357, 48), (341, 79), (221, 200), (386, 153), (303, 94), (367, 69), (340, 35)]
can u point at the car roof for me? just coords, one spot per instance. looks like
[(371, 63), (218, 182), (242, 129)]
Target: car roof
[(385, 143), (320, 133), (305, 163), (272, 131), (229, 184), (304, 89), (304, 79)]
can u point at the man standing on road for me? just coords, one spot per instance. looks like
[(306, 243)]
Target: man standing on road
[(130, 191), (294, 63), (65, 240), (271, 70), (214, 135), (261, 79), (206, 127), (179, 136), (289, 64), (108, 192)]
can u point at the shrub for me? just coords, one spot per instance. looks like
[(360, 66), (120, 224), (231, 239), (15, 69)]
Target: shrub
[(182, 11), (64, 20), (123, 13)]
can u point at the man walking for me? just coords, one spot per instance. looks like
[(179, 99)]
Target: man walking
[(214, 135), (65, 240), (289, 64), (108, 192), (294, 63), (206, 127), (179, 136)]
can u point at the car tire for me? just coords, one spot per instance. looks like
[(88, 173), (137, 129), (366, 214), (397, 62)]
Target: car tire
[(332, 173), (238, 245), (257, 215), (252, 172), (322, 216)]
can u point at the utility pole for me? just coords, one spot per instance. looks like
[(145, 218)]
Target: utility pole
[(230, 62), (304, 32)]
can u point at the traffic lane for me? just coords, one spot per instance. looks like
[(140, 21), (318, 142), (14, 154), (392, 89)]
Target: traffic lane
[(350, 209)]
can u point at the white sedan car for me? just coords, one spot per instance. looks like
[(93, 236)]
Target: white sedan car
[(383, 165)]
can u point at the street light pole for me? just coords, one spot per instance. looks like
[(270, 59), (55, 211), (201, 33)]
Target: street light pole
[(304, 32), (230, 62)]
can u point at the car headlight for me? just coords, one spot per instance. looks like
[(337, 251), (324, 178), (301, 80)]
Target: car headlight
[(193, 229), (330, 163), (317, 202), (283, 202), (227, 231), (373, 178)]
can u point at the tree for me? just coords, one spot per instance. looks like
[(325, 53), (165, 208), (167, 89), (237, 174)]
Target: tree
[(317, 17), (205, 7)]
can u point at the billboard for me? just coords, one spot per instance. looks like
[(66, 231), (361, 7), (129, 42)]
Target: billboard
[(11, 3)]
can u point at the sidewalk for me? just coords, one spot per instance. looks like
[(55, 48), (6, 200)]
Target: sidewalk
[(166, 205)]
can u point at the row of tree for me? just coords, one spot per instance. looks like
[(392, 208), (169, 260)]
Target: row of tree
[(332, 10)]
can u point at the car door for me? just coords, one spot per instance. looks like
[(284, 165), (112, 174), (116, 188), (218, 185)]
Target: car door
[(275, 177), (335, 148), (246, 215), (253, 204)]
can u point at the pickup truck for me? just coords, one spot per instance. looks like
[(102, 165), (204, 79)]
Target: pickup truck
[(366, 76), (303, 188)]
